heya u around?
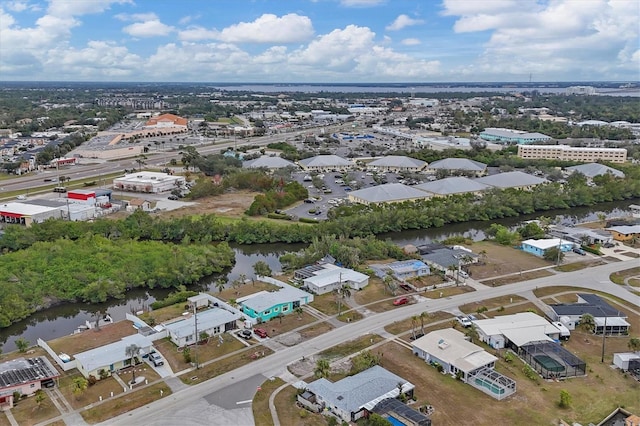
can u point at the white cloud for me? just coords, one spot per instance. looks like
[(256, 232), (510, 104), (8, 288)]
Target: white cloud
[(197, 34), (361, 3), (269, 28), (403, 21), (187, 19), (17, 6), (569, 39), (153, 28), (81, 7), (136, 17), (411, 42)]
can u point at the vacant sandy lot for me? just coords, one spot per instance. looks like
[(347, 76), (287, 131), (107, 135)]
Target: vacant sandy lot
[(232, 204)]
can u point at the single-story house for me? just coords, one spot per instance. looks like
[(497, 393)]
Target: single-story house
[(539, 247), (580, 235), (355, 396), (570, 314), (442, 257), (624, 232), (626, 361), (515, 330), (265, 305), (24, 376), (402, 269), (213, 321), (325, 277), (450, 349), (140, 204), (111, 357)]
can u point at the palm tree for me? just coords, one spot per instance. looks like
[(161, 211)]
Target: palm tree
[(79, 385), (132, 352), (473, 333), (423, 315), (342, 292), (483, 255), (22, 344), (220, 284), (634, 344), (322, 370), (414, 323), (588, 323), (242, 278), (140, 159)]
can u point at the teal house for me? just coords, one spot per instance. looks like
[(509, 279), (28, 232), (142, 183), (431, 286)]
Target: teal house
[(266, 305)]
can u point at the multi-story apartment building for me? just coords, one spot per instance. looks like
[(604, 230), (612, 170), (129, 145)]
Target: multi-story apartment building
[(569, 153)]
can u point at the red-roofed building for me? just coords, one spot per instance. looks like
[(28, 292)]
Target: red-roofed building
[(166, 120)]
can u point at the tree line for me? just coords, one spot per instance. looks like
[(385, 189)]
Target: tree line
[(94, 268)]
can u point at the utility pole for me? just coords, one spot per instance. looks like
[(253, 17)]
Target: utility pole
[(195, 323), (604, 333)]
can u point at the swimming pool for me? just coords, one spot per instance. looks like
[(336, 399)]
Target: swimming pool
[(394, 421)]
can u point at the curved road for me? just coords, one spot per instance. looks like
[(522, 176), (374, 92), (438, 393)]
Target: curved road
[(189, 406)]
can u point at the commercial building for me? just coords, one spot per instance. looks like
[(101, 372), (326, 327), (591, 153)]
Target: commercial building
[(450, 350), (515, 180), (354, 397), (458, 166), (27, 214), (453, 185), (166, 121), (397, 163), (592, 170), (510, 136), (270, 163), (150, 182), (25, 376), (569, 153), (325, 163), (387, 193)]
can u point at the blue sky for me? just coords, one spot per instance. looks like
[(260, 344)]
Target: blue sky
[(332, 41)]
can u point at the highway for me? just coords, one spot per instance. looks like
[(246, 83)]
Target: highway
[(189, 406), (94, 170)]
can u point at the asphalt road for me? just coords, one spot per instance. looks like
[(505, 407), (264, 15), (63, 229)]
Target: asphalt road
[(95, 170), (186, 406)]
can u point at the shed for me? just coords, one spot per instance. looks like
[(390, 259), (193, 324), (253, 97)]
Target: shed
[(626, 361)]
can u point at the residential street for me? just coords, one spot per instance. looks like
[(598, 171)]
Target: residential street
[(190, 406)]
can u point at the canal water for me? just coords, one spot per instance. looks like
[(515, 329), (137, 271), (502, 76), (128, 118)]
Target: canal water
[(64, 319)]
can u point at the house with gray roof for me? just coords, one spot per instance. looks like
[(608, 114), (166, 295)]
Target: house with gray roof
[(213, 321), (268, 162), (324, 163), (580, 235), (402, 269), (592, 170), (516, 180), (458, 165), (606, 317), (111, 357), (265, 305), (453, 185), (387, 193), (442, 258), (355, 396), (396, 163)]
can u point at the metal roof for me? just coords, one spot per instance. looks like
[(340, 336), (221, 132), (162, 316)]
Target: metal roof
[(206, 320), (393, 405), (458, 164), (268, 162), (445, 257), (363, 390), (595, 169), (267, 300), (452, 185), (593, 304), (511, 180), (388, 192), (397, 161), (325, 161), (25, 209), (112, 353), (25, 370)]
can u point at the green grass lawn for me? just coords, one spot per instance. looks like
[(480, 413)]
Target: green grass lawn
[(260, 405)]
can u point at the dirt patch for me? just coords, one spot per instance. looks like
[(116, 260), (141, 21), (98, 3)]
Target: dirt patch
[(90, 339), (498, 260), (525, 276), (232, 204)]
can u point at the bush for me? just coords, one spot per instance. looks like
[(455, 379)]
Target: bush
[(174, 297), (307, 220), (529, 372), (186, 355), (482, 309), (508, 357), (565, 399), (303, 413), (92, 380), (500, 309), (279, 216)]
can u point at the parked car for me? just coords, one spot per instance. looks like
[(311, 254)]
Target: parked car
[(400, 301), (245, 334), (156, 359), (579, 251), (22, 197), (472, 317), (309, 201), (464, 321), (608, 245), (173, 197), (261, 332), (418, 335), (59, 189), (406, 287)]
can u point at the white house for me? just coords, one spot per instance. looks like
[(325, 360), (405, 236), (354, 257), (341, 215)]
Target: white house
[(111, 357), (326, 277), (449, 349), (626, 361), (25, 376), (213, 321), (515, 330)]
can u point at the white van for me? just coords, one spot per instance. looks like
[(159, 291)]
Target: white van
[(463, 274)]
